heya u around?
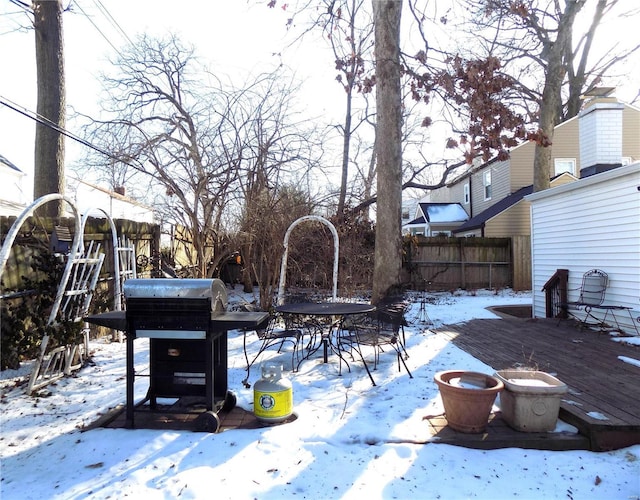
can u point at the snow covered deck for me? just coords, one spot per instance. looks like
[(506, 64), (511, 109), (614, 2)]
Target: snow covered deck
[(602, 401)]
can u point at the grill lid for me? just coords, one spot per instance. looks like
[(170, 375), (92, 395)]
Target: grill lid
[(178, 288)]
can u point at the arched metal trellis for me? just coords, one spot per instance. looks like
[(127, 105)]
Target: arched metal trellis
[(285, 256)]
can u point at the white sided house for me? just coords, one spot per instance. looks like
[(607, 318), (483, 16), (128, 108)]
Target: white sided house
[(593, 223), (12, 195), (87, 196)]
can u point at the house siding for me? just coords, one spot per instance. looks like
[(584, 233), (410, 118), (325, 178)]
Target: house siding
[(456, 194), (515, 221), (452, 193), (511, 222), (516, 173), (575, 228), (86, 197), (631, 133), (500, 176), (441, 195), (521, 160), (12, 196), (565, 145)]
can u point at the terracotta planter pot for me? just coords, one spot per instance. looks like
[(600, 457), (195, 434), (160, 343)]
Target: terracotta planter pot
[(468, 398)]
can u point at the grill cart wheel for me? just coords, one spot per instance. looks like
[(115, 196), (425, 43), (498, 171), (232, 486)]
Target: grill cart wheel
[(230, 401), (208, 422)]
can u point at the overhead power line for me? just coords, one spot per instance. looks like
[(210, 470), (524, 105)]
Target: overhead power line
[(22, 5), (112, 20), (77, 4), (48, 123)]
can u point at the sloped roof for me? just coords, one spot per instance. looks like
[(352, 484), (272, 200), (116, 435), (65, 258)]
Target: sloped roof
[(417, 222), (443, 212), (479, 220)]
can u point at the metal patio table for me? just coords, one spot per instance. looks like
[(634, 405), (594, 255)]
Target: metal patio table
[(339, 310)]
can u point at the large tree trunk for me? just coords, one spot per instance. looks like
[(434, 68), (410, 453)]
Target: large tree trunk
[(551, 101), (49, 142), (388, 248)]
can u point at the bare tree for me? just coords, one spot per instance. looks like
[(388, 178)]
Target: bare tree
[(198, 146), (554, 54), (534, 41), (474, 85), (268, 213), (523, 35), (275, 155), (348, 27)]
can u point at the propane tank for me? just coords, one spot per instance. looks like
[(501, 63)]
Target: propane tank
[(272, 395)]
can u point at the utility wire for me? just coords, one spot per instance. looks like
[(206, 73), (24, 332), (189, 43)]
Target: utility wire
[(77, 4), (22, 5), (48, 123), (114, 23)]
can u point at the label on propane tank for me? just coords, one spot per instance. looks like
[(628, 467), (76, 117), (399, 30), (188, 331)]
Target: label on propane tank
[(273, 404)]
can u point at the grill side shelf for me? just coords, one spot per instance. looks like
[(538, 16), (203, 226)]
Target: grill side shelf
[(236, 320), (231, 320)]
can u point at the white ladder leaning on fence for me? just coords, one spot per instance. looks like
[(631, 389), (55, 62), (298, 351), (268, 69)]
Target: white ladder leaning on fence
[(75, 291)]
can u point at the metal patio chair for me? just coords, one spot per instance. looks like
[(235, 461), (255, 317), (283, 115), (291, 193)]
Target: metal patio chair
[(376, 330), (275, 334), (591, 299)]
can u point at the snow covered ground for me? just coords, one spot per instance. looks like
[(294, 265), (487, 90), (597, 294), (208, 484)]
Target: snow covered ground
[(350, 440)]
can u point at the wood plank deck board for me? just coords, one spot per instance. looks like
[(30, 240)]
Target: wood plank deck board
[(603, 392)]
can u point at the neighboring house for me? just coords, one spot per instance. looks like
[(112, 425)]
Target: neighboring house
[(12, 198), (87, 196), (84, 195), (507, 217), (493, 193), (409, 207), (436, 219), (591, 223)]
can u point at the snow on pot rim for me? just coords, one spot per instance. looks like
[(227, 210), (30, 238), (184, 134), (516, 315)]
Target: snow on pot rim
[(465, 380)]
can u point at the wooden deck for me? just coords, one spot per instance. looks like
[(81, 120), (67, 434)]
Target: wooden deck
[(603, 401)]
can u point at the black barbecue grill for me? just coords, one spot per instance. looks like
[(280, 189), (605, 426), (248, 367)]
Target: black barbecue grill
[(186, 322)]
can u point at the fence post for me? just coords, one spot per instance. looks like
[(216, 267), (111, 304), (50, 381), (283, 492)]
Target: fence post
[(463, 279)]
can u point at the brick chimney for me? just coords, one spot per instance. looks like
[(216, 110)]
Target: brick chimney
[(600, 133)]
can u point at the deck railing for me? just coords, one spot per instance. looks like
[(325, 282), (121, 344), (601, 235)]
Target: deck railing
[(556, 294)]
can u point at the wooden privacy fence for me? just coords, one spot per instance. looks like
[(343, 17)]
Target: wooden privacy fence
[(145, 236), (442, 263)]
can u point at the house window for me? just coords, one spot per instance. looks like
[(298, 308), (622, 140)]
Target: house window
[(561, 165), (467, 197), (486, 181)]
